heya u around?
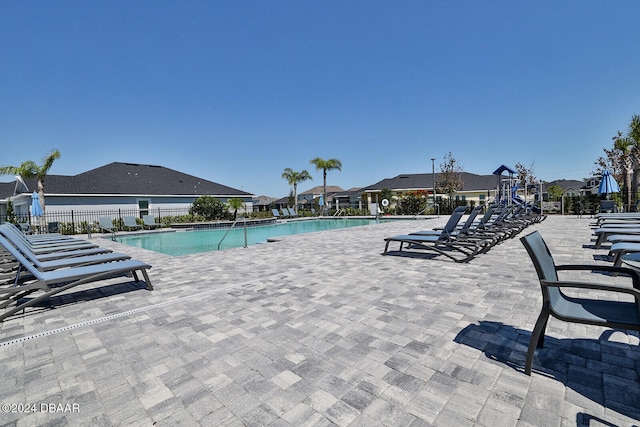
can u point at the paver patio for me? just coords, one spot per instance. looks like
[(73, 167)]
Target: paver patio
[(320, 330)]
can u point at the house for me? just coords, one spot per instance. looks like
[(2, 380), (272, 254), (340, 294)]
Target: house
[(475, 188), (351, 198), (263, 203), (117, 186), (306, 199)]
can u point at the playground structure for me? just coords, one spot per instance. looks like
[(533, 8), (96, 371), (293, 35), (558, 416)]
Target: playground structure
[(507, 190)]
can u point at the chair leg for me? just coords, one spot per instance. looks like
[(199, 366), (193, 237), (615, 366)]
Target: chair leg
[(537, 339)]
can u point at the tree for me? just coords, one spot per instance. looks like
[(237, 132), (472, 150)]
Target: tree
[(623, 160), (555, 192), (326, 165), (235, 203), (450, 177), (30, 169), (526, 177), (293, 178), (207, 206), (412, 203), (625, 147)]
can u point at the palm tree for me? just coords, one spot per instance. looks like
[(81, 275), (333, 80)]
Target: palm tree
[(30, 169), (293, 178), (626, 146), (235, 203), (326, 165)]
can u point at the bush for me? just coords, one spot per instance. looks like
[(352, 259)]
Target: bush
[(411, 204), (208, 207)]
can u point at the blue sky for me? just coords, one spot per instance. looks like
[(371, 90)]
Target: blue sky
[(237, 91)]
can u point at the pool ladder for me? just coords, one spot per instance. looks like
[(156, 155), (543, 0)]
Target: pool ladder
[(231, 228)]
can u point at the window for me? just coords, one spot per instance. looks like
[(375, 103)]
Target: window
[(143, 207)]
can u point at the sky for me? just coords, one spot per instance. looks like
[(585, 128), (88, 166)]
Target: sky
[(236, 91)]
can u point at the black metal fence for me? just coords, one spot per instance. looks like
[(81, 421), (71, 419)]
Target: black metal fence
[(77, 221)]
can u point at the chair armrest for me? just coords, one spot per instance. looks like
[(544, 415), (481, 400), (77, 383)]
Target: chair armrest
[(634, 274), (593, 286)]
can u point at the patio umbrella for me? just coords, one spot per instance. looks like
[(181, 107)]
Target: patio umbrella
[(608, 184), (321, 201), (36, 209)]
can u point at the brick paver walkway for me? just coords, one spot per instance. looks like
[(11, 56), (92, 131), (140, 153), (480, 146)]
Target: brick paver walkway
[(321, 330)]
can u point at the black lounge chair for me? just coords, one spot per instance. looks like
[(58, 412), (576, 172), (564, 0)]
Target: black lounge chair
[(459, 250), (611, 313)]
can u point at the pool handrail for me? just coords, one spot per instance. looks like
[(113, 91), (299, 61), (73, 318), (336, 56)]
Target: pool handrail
[(231, 228)]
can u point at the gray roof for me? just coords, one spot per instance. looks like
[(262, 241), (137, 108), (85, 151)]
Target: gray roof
[(318, 189), (566, 184), (472, 182), (131, 179)]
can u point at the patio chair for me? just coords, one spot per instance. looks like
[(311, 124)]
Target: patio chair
[(25, 227), (292, 213), (53, 227), (284, 212), (276, 213), (149, 221), (608, 206), (105, 223), (611, 313), (50, 283), (459, 250), (130, 223)]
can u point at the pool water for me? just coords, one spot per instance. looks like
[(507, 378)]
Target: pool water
[(193, 242)]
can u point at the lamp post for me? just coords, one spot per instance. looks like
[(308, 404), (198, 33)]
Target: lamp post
[(433, 176)]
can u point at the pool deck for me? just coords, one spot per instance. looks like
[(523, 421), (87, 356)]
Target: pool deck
[(320, 329)]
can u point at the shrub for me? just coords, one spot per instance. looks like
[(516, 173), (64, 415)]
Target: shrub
[(209, 207)]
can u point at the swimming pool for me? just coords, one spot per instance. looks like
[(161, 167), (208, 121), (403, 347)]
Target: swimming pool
[(193, 242)]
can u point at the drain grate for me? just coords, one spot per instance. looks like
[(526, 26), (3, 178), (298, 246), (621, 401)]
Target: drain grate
[(124, 314)]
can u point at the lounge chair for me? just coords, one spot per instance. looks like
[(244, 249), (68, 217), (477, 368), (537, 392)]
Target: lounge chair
[(608, 206), (611, 313), (45, 245), (622, 247), (25, 227), (292, 213), (130, 223), (459, 250), (50, 283), (105, 223), (64, 261), (459, 229), (276, 213), (603, 233), (149, 221)]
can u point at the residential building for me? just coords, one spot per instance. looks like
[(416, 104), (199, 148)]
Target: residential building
[(475, 188), (126, 186)]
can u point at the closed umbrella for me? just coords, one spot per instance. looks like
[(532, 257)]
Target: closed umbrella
[(608, 184), (36, 209)]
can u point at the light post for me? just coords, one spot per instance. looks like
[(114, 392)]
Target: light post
[(433, 176)]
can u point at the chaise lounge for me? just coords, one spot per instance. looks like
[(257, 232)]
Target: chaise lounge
[(456, 249), (50, 283)]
